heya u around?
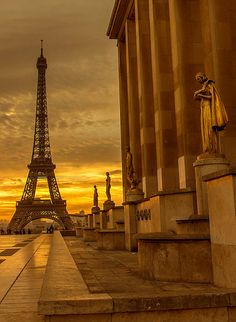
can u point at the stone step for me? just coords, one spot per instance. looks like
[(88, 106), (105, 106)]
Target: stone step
[(124, 295), (68, 232), (111, 239), (178, 257), (119, 224), (194, 224)]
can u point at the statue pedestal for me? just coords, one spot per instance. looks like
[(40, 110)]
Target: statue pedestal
[(95, 210), (96, 217), (108, 204), (103, 219), (134, 195), (90, 220), (204, 165)]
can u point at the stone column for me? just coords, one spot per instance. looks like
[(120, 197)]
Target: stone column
[(220, 55), (163, 90), (124, 123), (96, 217), (187, 60), (147, 126), (90, 220), (133, 98), (103, 220)]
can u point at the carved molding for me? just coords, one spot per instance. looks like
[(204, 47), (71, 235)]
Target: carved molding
[(144, 214)]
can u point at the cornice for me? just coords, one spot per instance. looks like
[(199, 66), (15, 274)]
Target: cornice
[(120, 13)]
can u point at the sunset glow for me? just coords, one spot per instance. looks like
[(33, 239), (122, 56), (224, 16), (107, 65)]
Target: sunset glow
[(82, 92)]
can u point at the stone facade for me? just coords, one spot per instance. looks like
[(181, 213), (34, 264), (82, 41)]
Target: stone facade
[(162, 44)]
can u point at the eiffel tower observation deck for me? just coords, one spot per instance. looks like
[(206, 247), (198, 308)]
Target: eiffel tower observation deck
[(30, 208)]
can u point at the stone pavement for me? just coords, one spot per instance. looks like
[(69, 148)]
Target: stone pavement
[(116, 273), (116, 292), (21, 277), (108, 288)]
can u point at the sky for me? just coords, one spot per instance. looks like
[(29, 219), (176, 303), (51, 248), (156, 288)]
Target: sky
[(82, 91)]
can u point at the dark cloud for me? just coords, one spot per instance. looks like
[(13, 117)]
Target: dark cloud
[(82, 88), (114, 172)]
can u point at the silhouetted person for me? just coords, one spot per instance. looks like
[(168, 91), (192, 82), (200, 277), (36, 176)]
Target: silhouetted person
[(51, 229), (29, 231)]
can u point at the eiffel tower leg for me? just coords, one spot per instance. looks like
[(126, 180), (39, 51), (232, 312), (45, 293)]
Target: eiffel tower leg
[(30, 186), (17, 219), (53, 187), (26, 214)]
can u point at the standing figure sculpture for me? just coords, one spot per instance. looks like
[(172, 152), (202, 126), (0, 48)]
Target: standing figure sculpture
[(213, 114), (95, 197), (108, 186), (130, 170)]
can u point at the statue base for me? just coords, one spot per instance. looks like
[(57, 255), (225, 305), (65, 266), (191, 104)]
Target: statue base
[(96, 217), (134, 195), (108, 204), (210, 156), (95, 210), (205, 164)]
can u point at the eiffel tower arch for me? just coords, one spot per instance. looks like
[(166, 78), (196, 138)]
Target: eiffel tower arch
[(30, 208)]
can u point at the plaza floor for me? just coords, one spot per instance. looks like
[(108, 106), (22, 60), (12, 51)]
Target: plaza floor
[(117, 273), (103, 277), (21, 276)]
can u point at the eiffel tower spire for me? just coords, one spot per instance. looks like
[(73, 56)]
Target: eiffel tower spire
[(41, 148), (41, 165)]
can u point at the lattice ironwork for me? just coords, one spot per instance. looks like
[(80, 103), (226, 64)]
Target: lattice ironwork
[(29, 208)]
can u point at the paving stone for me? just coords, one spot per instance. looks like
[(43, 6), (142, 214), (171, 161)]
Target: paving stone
[(20, 244), (20, 303), (9, 251), (26, 317)]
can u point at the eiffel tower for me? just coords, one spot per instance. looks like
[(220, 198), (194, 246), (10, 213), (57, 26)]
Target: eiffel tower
[(30, 208)]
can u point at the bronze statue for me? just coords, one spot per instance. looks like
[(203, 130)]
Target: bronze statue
[(213, 114), (108, 186), (131, 177), (95, 197)]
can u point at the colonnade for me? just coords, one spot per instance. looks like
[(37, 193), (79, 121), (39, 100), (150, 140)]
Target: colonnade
[(162, 44)]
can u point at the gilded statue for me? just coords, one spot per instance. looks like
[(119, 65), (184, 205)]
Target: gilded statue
[(95, 197), (131, 177), (213, 114), (108, 186)]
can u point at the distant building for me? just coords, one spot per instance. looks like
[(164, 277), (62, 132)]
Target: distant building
[(80, 219)]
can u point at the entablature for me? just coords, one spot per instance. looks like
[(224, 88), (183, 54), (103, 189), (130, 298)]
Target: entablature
[(122, 10)]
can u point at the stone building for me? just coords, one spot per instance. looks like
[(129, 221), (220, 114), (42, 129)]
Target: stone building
[(184, 196), (162, 44)]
